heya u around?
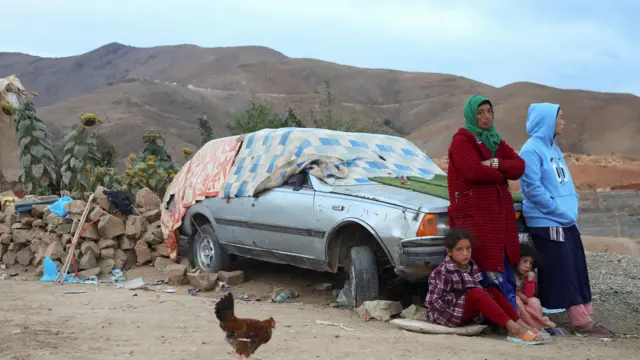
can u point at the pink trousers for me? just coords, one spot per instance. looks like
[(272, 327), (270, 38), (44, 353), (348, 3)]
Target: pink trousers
[(531, 314), (580, 315)]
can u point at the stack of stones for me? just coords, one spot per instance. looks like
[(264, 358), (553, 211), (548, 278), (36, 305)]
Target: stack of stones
[(112, 241)]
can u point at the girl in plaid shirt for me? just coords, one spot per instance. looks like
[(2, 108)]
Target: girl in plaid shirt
[(455, 296)]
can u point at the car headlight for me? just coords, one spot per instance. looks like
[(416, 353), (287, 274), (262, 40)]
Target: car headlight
[(433, 225)]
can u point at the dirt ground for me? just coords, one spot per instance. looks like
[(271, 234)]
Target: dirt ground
[(37, 321)]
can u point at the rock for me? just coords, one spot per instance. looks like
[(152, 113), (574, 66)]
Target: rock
[(96, 213), (108, 253), (38, 254), (40, 270), (152, 216), (204, 282), (63, 229), (150, 238), (28, 221), (3, 250), (6, 239), (120, 258), (16, 247), (136, 226), (86, 274), (40, 211), (21, 236), (131, 259), (107, 243), (231, 278), (55, 251), (66, 239), (162, 250), (154, 256), (53, 219), (76, 207), (19, 225), (161, 263), (10, 219), (127, 243), (176, 274), (91, 232), (382, 310), (88, 261), (143, 253), (110, 227), (147, 199), (415, 313), (185, 261), (102, 199), (4, 229), (90, 247), (9, 258), (106, 265), (39, 223), (24, 256)]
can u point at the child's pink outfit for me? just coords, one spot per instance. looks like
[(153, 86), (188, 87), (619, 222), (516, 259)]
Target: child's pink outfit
[(531, 313)]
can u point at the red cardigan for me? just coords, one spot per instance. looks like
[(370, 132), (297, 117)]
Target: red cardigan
[(480, 199)]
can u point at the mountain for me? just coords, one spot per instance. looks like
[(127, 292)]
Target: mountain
[(168, 87)]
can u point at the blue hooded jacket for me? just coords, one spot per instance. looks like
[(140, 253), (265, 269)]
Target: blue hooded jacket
[(550, 198)]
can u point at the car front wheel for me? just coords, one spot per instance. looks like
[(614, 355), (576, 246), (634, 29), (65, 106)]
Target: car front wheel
[(363, 275), (206, 252)]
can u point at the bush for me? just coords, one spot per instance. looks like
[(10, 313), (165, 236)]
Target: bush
[(81, 156), (206, 130), (261, 115), (326, 117)]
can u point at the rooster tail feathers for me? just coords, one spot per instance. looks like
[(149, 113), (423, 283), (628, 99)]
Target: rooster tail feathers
[(224, 308)]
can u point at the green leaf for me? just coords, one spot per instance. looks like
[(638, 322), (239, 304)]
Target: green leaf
[(37, 151), (80, 151), (28, 187), (26, 161), (22, 126), (24, 142), (69, 145), (37, 170), (39, 134), (78, 164), (66, 177)]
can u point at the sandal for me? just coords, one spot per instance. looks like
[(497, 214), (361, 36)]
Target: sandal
[(528, 338), (594, 329)]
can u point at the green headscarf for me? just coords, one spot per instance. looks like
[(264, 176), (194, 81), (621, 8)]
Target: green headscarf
[(489, 137)]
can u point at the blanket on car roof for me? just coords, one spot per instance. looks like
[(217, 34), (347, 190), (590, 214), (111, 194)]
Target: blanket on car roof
[(267, 158)]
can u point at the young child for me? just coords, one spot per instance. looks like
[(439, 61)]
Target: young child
[(529, 308), (455, 296)]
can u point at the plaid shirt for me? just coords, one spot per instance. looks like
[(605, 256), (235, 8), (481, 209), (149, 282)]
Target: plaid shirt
[(448, 286)]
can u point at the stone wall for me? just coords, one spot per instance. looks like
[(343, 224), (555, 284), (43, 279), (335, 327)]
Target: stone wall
[(610, 213), (112, 242)]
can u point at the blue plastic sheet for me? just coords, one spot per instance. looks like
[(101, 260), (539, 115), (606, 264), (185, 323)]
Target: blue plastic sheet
[(50, 272), (58, 206)]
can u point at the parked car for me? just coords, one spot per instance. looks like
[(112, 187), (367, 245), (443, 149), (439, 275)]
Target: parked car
[(373, 231)]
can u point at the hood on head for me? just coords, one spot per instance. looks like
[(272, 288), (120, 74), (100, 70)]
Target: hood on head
[(471, 108), (541, 120)]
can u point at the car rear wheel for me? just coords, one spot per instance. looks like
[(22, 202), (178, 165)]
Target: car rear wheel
[(363, 275), (206, 252)]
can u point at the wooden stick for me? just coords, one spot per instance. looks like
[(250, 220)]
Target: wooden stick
[(65, 268)]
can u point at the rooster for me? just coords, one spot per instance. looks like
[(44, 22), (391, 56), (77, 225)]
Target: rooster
[(244, 335)]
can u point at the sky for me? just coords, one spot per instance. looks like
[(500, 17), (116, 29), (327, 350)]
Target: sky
[(588, 44)]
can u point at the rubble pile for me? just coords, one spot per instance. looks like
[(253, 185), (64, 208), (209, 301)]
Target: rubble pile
[(110, 241)]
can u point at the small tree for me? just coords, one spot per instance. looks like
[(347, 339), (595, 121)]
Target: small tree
[(152, 168), (260, 115), (326, 117), (206, 130), (107, 151), (39, 168)]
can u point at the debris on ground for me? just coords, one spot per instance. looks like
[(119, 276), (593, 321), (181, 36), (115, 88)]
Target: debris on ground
[(382, 310), (281, 295)]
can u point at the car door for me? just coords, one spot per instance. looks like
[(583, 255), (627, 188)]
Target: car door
[(282, 221)]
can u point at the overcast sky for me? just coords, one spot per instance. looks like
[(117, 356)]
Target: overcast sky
[(583, 44)]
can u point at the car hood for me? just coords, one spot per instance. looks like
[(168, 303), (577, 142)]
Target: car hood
[(393, 195)]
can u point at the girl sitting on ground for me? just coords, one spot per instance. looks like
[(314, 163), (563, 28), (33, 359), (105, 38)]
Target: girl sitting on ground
[(529, 308), (456, 298)]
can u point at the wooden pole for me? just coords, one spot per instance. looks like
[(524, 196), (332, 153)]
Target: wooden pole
[(65, 267)]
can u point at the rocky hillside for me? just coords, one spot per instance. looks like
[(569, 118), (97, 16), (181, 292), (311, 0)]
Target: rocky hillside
[(168, 87)]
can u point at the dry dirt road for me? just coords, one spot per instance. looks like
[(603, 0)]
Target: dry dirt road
[(38, 322)]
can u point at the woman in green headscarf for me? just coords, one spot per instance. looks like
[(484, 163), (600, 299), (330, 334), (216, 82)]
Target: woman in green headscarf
[(480, 163)]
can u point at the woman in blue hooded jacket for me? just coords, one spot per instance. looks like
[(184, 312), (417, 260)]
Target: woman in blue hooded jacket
[(550, 209)]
